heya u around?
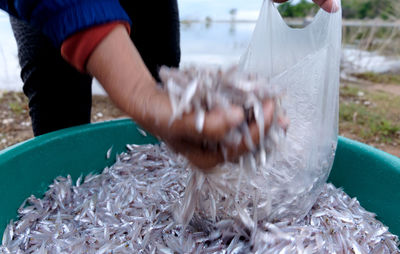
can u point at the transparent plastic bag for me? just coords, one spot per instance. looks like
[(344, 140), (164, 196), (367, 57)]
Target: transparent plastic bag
[(303, 64)]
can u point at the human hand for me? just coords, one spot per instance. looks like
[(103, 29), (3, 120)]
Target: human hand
[(203, 149), (327, 5)]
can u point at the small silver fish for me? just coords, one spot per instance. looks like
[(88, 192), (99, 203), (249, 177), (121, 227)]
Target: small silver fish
[(129, 209), (142, 132), (108, 154)]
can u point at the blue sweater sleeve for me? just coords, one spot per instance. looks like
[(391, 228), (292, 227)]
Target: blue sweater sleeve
[(4, 5), (59, 19)]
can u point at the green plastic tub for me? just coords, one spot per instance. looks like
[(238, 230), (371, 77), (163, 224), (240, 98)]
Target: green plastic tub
[(28, 168)]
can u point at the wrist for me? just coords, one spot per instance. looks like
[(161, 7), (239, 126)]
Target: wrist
[(140, 95), (151, 109)]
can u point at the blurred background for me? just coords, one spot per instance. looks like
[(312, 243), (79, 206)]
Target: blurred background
[(218, 32)]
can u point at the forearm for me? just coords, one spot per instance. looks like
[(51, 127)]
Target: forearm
[(120, 70)]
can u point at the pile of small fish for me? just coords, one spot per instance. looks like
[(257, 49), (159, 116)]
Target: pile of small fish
[(129, 209), (275, 180), (199, 90)]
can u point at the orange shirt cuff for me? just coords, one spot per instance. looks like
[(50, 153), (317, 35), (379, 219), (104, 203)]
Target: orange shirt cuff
[(77, 49)]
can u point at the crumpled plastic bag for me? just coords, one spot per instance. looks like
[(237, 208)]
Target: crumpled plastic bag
[(304, 65)]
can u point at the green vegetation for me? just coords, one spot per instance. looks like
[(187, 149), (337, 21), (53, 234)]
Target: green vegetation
[(386, 78), (352, 9), (370, 9), (372, 116)]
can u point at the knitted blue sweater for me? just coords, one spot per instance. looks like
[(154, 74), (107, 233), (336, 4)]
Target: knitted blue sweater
[(59, 19)]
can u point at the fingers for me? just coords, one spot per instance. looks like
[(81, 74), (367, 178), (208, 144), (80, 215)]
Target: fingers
[(283, 122), (156, 117), (328, 5), (205, 158), (217, 123), (234, 152)]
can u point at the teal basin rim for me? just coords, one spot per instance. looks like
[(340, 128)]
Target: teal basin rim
[(29, 144), (27, 168), (391, 159)]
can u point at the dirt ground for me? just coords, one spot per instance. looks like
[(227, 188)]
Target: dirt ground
[(15, 125)]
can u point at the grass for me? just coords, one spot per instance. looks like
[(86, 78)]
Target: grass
[(387, 78), (16, 102), (372, 116), (16, 107)]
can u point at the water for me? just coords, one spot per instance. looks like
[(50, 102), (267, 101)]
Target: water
[(214, 44), (221, 44), (9, 66), (365, 48)]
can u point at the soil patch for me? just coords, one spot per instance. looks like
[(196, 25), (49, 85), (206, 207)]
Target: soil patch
[(15, 122), (392, 89)]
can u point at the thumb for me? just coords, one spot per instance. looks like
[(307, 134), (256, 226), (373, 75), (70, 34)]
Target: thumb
[(328, 5)]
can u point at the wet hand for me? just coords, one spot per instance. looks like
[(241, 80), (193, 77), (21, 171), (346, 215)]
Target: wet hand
[(204, 149)]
